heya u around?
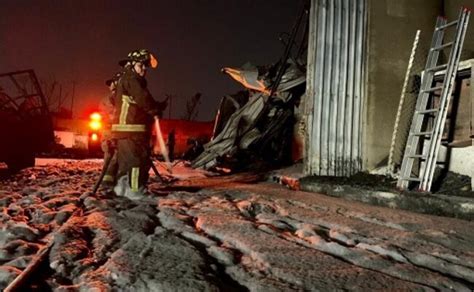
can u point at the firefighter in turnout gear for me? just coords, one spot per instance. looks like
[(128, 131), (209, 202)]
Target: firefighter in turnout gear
[(136, 109), (107, 108)]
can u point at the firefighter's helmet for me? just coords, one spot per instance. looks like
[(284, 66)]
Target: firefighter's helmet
[(115, 78), (142, 56)]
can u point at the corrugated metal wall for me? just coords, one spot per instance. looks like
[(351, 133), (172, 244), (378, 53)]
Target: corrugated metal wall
[(335, 87)]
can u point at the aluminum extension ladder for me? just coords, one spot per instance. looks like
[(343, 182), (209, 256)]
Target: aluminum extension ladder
[(429, 153)]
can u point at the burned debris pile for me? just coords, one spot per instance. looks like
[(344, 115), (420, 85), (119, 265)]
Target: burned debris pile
[(254, 128)]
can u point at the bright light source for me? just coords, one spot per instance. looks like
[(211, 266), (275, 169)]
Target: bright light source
[(94, 137), (95, 125), (96, 116)]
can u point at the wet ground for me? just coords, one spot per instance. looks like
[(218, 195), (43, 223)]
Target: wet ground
[(214, 233), (450, 184)]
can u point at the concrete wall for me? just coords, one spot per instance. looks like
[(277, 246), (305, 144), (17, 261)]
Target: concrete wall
[(461, 162), (451, 10), (391, 31)]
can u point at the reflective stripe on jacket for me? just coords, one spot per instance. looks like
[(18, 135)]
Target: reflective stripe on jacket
[(135, 105)]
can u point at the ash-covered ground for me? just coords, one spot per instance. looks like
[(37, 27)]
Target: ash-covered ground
[(220, 233)]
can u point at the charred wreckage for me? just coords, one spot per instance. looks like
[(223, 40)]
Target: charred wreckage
[(254, 127)]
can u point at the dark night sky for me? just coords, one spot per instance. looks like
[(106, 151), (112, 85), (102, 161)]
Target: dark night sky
[(82, 41)]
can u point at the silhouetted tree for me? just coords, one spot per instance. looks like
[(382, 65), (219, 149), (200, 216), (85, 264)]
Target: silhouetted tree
[(192, 109)]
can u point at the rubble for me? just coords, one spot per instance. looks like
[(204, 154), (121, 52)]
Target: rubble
[(253, 127)]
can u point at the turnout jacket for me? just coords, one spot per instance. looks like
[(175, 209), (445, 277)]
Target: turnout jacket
[(135, 106)]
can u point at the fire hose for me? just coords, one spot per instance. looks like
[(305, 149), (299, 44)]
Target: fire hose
[(112, 153), (161, 144), (42, 254)]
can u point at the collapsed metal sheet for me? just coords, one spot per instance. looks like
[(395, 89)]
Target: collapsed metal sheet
[(259, 131), (253, 78), (254, 124), (239, 124), (229, 105), (248, 76)]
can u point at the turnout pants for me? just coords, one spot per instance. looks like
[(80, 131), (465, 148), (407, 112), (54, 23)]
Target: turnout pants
[(133, 155), (110, 176)]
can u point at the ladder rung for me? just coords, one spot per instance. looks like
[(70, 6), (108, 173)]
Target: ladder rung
[(421, 134), (433, 89), (428, 111), (444, 26), (410, 178), (437, 68), (443, 46), (417, 156)]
